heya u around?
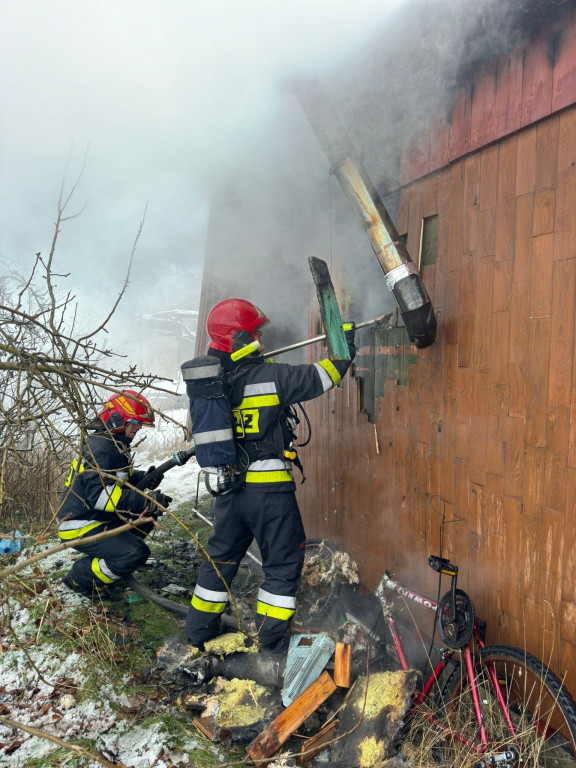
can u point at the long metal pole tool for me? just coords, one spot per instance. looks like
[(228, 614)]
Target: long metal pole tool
[(379, 320)]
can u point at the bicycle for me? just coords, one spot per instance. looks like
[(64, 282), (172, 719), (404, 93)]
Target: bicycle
[(488, 705)]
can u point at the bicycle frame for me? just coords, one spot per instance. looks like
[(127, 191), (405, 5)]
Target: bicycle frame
[(420, 696)]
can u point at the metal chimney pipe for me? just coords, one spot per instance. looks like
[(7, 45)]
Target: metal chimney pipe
[(402, 277)]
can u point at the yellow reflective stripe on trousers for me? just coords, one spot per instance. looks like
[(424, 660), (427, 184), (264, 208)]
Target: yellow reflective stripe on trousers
[(206, 606), (77, 532), (98, 573), (331, 370), (276, 606), (208, 600), (284, 614)]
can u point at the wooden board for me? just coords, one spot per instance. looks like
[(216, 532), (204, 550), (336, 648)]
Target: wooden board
[(316, 743), (342, 662), (271, 739)]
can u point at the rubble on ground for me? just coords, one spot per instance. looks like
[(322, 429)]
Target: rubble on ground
[(231, 695), (342, 715)]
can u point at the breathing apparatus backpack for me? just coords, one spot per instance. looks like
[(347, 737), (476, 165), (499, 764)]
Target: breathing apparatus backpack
[(217, 451)]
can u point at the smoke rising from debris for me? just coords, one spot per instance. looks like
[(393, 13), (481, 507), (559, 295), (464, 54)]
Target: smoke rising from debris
[(408, 67)]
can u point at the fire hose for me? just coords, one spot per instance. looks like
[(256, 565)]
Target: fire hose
[(177, 459)]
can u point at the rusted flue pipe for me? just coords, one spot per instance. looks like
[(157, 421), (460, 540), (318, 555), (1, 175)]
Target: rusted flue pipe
[(402, 276)]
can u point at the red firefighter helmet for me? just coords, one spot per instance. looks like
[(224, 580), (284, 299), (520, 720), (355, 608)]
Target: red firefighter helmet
[(231, 324), (125, 407)]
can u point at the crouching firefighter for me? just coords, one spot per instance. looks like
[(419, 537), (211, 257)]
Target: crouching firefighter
[(96, 499), (241, 412)]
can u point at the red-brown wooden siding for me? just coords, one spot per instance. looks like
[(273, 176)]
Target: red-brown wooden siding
[(484, 432), (536, 80)]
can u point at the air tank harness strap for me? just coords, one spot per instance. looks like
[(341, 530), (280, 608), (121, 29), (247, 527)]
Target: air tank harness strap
[(288, 454), (286, 440)]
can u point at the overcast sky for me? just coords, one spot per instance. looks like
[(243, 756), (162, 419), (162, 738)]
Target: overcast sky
[(163, 94)]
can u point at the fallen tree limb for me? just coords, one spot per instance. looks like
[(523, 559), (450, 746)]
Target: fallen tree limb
[(55, 740)]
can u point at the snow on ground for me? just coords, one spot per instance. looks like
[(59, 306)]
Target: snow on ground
[(42, 701), (39, 700), (152, 448)]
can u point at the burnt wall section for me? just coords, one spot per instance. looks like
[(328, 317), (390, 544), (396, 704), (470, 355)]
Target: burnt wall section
[(477, 451), (501, 95), (409, 77)]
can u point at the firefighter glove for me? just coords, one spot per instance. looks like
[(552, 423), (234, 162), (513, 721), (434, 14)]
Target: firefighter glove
[(349, 333), (159, 500), (154, 481)]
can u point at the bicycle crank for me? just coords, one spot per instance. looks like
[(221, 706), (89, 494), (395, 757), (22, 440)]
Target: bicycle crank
[(505, 759)]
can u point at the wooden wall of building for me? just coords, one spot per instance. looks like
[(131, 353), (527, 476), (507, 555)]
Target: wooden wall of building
[(537, 79), (479, 448), (475, 456)]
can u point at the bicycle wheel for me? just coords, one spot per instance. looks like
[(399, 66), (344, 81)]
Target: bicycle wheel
[(542, 713)]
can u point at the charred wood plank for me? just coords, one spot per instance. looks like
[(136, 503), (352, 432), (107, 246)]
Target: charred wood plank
[(316, 743), (207, 726), (273, 737)]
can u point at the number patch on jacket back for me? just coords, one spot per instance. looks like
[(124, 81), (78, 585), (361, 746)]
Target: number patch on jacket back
[(246, 421)]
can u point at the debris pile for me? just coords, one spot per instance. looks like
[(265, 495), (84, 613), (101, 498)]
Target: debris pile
[(330, 698)]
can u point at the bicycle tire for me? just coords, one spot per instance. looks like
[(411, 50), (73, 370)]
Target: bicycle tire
[(541, 711)]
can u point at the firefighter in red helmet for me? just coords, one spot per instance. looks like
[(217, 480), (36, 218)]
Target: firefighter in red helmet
[(95, 498), (263, 506)]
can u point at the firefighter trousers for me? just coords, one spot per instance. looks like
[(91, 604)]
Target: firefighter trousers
[(274, 520), (110, 559)]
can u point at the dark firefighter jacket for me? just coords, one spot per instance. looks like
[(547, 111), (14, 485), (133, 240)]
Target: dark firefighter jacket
[(260, 397), (94, 490)]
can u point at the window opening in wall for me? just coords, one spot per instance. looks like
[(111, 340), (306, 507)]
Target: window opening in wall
[(428, 240)]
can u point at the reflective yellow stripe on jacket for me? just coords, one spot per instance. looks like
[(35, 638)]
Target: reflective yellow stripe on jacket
[(109, 498), (269, 471), (75, 467), (74, 529), (328, 374)]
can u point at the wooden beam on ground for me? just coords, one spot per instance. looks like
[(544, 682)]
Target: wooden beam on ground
[(342, 662), (206, 726), (273, 737), (316, 743)]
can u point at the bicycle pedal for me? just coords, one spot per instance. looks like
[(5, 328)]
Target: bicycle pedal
[(442, 565)]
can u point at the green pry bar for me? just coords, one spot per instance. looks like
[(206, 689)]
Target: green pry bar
[(329, 311)]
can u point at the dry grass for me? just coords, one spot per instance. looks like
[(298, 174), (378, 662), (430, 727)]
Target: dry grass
[(30, 484), (427, 743)]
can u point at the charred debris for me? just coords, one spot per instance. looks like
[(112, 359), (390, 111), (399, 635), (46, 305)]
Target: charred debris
[(334, 696)]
